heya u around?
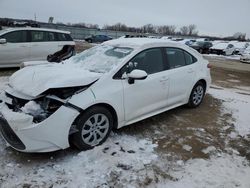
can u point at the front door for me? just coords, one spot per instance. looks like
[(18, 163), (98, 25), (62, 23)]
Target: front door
[(146, 96), (15, 50)]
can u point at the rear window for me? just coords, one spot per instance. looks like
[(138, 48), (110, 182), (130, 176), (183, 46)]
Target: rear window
[(189, 58), (64, 37), (175, 58)]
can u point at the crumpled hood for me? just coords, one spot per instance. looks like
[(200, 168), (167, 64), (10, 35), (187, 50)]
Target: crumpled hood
[(34, 80)]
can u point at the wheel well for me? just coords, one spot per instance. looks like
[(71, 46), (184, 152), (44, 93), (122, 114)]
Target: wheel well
[(112, 111), (203, 82), (109, 107)]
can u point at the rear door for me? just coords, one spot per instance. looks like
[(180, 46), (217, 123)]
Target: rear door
[(15, 50), (64, 39), (43, 43), (181, 74)]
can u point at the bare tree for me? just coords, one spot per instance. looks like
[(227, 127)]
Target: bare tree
[(192, 30), (149, 28), (240, 36), (166, 29), (184, 30)]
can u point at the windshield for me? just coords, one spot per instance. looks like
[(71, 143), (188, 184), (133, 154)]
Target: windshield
[(1, 32), (101, 58)]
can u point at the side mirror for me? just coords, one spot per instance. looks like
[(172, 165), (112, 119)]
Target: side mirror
[(3, 41), (136, 74)]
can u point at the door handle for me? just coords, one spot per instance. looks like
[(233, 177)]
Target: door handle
[(164, 79), (190, 71)]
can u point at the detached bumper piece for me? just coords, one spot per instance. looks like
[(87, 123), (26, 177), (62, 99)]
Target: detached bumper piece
[(10, 136)]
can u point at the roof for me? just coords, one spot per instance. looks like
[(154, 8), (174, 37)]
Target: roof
[(142, 42), (33, 28)]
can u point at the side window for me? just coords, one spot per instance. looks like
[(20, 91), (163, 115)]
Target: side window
[(51, 36), (64, 37), (39, 36), (189, 58), (68, 37), (175, 58), (16, 37), (150, 61)]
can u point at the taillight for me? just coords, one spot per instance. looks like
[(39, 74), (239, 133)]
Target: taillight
[(209, 66)]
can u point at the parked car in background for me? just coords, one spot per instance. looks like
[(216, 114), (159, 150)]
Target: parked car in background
[(167, 38), (240, 47), (245, 57), (109, 86), (30, 44), (202, 46), (188, 42), (223, 48), (98, 38)]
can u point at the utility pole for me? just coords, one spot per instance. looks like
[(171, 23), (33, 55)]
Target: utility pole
[(35, 17)]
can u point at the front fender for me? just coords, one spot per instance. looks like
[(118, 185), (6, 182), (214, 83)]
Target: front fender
[(83, 100)]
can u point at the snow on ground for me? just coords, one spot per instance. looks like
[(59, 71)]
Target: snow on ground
[(127, 161), (3, 81), (236, 103), (223, 170), (231, 57), (121, 161)]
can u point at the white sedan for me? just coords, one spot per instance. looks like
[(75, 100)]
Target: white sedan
[(46, 107)]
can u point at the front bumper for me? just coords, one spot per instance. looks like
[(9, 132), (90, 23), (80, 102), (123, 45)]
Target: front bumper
[(22, 134)]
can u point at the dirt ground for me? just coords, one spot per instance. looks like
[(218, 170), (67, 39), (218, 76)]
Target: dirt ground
[(181, 133)]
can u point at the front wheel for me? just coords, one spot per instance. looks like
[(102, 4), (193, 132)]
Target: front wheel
[(196, 95), (94, 127)]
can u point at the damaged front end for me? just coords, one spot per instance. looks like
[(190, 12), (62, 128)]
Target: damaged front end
[(39, 124), (45, 104)]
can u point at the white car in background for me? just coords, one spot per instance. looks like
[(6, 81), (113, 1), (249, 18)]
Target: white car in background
[(18, 45), (245, 57), (109, 86), (222, 48), (240, 47)]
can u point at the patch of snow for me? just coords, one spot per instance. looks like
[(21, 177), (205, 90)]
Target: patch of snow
[(224, 171), (245, 88), (122, 160), (3, 82), (236, 104), (33, 108), (234, 81), (231, 57), (209, 149), (187, 147)]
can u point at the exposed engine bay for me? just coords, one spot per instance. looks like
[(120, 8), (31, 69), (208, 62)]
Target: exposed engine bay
[(45, 104)]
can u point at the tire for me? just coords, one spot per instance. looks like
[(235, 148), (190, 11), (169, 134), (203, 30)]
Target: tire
[(89, 40), (94, 127), (197, 95)]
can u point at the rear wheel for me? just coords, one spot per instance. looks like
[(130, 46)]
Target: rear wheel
[(94, 127), (196, 95)]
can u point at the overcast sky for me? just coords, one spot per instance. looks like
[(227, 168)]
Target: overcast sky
[(214, 17)]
